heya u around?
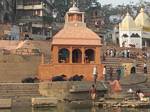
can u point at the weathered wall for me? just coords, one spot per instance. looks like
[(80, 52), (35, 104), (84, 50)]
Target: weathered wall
[(14, 68), (70, 90), (46, 71)]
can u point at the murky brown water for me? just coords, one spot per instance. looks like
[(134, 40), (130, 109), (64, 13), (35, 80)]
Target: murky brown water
[(69, 108)]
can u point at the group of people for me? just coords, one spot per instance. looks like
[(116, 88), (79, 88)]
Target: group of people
[(110, 72), (125, 53), (120, 71), (139, 95), (114, 53)]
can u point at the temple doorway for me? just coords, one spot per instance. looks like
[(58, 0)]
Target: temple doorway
[(76, 56), (63, 55), (89, 56)]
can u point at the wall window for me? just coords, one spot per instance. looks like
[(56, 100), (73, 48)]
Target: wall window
[(125, 36), (135, 35)]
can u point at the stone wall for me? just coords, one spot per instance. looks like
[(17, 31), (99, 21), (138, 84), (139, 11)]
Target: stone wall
[(46, 71), (19, 93), (14, 68), (5, 103), (70, 90)]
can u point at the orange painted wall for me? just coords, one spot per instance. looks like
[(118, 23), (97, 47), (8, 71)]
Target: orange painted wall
[(49, 70)]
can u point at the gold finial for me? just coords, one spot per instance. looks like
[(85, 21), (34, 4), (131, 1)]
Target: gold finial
[(74, 3)]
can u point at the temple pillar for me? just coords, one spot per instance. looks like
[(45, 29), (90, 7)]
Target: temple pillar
[(83, 18), (55, 54), (97, 55), (42, 58), (70, 58), (83, 55)]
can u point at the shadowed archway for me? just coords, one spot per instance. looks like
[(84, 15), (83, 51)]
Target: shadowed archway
[(63, 55), (76, 56)]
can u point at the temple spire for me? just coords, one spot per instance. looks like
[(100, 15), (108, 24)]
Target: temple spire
[(74, 2)]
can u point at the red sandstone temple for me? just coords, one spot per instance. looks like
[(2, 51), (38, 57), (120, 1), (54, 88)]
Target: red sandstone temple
[(75, 50)]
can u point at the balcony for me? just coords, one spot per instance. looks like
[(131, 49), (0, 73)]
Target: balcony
[(31, 18), (29, 7)]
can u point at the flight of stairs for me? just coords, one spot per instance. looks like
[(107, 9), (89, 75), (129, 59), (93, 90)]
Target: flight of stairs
[(116, 62), (20, 93), (139, 81)]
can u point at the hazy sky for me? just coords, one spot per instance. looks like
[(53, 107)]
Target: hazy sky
[(119, 2)]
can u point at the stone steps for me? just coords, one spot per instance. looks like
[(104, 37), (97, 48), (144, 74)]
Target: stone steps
[(115, 62), (19, 90)]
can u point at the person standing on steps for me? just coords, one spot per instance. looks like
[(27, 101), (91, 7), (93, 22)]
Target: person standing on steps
[(95, 74), (93, 93), (104, 73), (118, 73), (111, 73), (145, 68)]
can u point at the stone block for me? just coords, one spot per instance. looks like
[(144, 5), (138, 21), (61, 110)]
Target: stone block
[(5, 103), (44, 102)]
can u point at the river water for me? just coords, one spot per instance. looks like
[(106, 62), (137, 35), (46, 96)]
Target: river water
[(66, 109)]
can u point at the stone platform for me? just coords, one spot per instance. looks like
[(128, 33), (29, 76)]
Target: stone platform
[(44, 102), (5, 103)]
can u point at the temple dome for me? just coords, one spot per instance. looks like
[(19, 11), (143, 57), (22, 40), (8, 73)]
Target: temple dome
[(74, 9), (142, 20), (76, 35), (127, 23)]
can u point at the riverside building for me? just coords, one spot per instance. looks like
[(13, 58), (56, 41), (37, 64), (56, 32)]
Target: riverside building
[(135, 32), (75, 49), (34, 18)]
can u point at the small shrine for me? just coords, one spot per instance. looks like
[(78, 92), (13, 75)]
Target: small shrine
[(75, 49)]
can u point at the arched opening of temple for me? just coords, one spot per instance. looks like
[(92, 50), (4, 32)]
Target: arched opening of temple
[(133, 70), (74, 17), (63, 55), (76, 56), (89, 56)]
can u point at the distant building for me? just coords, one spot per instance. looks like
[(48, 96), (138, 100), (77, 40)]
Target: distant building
[(115, 35), (9, 32), (135, 33), (34, 18), (115, 19), (6, 11)]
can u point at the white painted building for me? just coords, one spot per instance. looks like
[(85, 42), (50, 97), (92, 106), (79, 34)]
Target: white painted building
[(135, 32)]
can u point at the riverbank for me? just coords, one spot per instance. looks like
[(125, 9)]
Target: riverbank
[(21, 94)]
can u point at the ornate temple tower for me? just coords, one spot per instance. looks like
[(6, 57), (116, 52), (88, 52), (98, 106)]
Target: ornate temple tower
[(75, 49)]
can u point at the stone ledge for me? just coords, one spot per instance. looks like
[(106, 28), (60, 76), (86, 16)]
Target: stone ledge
[(44, 102), (5, 103)]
